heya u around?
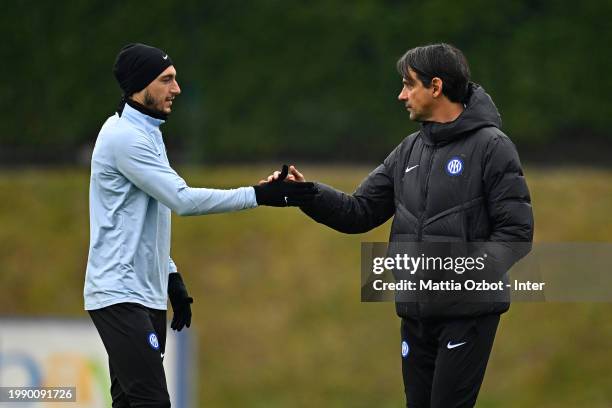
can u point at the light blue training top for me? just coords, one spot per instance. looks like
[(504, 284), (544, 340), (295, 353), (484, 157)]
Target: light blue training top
[(132, 190)]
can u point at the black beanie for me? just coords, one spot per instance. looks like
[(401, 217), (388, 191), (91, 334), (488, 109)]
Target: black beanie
[(137, 65)]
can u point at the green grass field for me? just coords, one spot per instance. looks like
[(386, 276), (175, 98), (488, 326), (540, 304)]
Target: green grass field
[(277, 307)]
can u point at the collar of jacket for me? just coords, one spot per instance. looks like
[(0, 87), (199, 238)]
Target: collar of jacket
[(479, 112), (141, 120)]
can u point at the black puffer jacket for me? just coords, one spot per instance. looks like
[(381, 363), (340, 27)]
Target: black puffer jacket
[(454, 182)]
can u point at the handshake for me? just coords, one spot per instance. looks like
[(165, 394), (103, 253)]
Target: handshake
[(282, 189)]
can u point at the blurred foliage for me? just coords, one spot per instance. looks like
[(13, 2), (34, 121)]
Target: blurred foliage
[(277, 309), (299, 79)]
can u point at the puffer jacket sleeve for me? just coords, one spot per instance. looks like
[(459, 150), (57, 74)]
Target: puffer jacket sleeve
[(508, 203), (368, 207)]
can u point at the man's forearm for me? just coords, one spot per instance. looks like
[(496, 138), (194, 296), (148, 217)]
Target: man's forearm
[(350, 214)]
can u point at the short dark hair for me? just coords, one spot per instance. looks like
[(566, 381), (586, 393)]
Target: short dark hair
[(438, 60)]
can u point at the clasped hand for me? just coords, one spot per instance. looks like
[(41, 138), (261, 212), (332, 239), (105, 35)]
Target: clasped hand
[(282, 189)]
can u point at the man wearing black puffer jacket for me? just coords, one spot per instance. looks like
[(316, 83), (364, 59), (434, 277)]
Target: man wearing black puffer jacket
[(458, 179)]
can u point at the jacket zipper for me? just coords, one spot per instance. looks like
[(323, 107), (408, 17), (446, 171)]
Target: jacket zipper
[(422, 217)]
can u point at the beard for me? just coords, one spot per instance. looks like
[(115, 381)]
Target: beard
[(153, 104)]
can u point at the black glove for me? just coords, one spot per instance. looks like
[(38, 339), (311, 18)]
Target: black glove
[(280, 193), (181, 302)]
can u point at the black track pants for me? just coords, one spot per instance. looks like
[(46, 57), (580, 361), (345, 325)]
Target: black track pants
[(444, 361), (135, 339)]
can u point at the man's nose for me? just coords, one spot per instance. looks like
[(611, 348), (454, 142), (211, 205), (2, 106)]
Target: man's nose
[(177, 88)]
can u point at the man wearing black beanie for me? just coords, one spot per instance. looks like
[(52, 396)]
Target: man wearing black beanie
[(136, 66), (133, 189)]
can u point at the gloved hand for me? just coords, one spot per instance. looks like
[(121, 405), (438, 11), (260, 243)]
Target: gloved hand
[(181, 302), (281, 193)]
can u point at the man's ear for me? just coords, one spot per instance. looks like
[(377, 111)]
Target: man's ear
[(436, 86)]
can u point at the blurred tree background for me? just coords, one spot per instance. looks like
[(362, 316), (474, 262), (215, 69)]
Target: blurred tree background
[(277, 307), (301, 80)]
